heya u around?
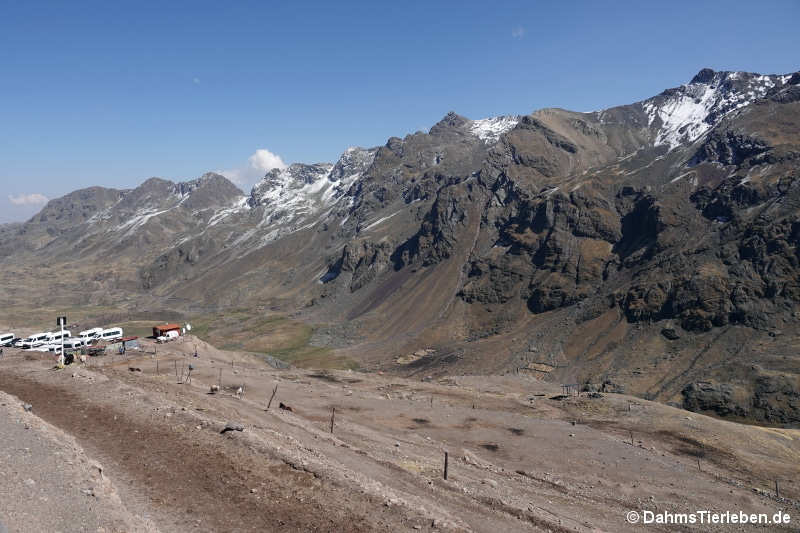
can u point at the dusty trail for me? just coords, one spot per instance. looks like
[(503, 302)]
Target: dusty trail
[(186, 478)]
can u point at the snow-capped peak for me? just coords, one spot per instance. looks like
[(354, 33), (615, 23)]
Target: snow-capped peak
[(354, 160), (490, 129), (684, 114), (283, 184)]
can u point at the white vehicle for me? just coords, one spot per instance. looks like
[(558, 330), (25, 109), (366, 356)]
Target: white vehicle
[(69, 344), (6, 338), (90, 334), (43, 348), (34, 341), (170, 336), (111, 334), (55, 338)]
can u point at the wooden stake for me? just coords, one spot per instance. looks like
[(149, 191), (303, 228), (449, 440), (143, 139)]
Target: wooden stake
[(698, 465), (445, 465), (777, 494), (631, 432), (273, 395), (333, 414)]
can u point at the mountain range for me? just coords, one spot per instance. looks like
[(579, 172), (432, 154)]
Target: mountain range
[(650, 247)]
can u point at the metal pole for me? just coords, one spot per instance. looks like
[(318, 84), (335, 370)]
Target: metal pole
[(61, 357)]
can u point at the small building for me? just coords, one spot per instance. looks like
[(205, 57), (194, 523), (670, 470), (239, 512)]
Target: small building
[(161, 331), (130, 343), (124, 344)]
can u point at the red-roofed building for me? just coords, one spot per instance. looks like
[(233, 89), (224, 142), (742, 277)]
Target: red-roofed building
[(160, 331)]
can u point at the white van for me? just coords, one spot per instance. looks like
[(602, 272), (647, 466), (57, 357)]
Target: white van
[(171, 335), (55, 338), (34, 341), (90, 334), (111, 334), (69, 344), (6, 338), (73, 343)]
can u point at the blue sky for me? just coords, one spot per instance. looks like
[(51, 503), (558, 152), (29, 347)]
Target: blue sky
[(111, 93)]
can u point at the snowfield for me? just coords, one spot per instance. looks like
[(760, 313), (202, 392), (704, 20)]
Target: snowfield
[(690, 111), (490, 129)]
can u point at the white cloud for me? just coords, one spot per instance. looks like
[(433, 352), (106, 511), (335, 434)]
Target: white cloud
[(28, 199), (258, 164), (196, 81), (518, 32), (265, 160)]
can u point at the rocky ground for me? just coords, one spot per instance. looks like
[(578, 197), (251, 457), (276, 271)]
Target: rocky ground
[(520, 458), (49, 483)]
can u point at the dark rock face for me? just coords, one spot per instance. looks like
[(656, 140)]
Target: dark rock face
[(178, 263), (706, 75), (451, 124), (717, 398), (437, 236), (788, 95), (209, 191), (365, 260), (556, 247), (730, 148), (670, 334), (773, 399)]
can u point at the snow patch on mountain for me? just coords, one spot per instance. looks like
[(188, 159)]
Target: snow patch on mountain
[(239, 205), (352, 164), (380, 220), (142, 216), (292, 199), (490, 129), (291, 187), (684, 114)]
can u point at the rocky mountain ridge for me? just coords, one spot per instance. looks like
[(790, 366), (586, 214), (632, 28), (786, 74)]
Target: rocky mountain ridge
[(559, 244)]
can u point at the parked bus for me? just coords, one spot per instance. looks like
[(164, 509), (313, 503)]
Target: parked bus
[(111, 334), (90, 334), (34, 341), (6, 339), (69, 344)]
